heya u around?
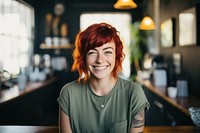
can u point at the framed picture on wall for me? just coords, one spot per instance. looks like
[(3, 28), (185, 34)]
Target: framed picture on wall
[(168, 33), (188, 27)]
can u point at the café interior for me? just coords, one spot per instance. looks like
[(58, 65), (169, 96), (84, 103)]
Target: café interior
[(36, 43)]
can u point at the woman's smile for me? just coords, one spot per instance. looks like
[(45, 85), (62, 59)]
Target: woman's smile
[(98, 68)]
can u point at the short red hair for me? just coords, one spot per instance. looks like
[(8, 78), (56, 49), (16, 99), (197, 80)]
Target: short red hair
[(96, 35)]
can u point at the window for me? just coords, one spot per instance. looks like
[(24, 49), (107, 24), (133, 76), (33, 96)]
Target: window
[(121, 21), (16, 35)]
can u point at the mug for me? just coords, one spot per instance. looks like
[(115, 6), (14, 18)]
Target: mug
[(172, 92)]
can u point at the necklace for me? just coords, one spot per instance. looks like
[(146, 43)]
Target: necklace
[(98, 101), (102, 105)]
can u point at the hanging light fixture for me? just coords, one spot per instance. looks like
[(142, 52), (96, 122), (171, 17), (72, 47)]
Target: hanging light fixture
[(125, 4), (147, 24)]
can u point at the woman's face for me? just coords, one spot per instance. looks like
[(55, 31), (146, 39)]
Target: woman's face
[(100, 61)]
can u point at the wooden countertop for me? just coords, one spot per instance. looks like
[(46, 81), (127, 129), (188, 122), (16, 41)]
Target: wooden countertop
[(54, 129), (10, 94), (171, 129), (181, 103)]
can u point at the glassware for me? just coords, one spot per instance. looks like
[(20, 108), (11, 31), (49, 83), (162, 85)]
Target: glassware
[(195, 115)]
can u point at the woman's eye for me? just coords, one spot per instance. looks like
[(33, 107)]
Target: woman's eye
[(91, 53), (108, 52)]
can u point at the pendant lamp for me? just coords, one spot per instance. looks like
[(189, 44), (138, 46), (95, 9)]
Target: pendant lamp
[(125, 4), (147, 24)]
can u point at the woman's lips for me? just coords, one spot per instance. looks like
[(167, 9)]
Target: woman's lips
[(100, 67)]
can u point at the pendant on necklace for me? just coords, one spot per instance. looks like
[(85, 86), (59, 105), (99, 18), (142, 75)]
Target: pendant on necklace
[(102, 106)]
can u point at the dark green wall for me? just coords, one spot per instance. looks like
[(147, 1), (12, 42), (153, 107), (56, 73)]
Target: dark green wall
[(190, 54), (72, 13)]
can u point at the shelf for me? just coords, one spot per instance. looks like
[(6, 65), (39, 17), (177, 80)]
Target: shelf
[(44, 46)]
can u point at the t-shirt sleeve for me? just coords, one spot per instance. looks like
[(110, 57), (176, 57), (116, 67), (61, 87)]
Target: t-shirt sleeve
[(63, 100), (138, 100)]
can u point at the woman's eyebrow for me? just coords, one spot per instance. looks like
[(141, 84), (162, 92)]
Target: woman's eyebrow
[(108, 48), (103, 48)]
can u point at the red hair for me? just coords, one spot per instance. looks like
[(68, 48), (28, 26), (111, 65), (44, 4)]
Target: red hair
[(96, 35)]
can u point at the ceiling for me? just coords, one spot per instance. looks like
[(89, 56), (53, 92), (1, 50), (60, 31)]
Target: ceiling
[(101, 2)]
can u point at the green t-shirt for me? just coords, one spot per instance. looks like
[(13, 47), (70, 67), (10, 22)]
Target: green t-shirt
[(112, 113)]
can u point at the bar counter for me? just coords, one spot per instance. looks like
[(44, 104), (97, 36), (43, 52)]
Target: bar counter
[(54, 129), (181, 103), (11, 94), (34, 105)]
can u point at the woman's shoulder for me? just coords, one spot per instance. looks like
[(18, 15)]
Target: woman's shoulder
[(73, 86), (133, 89), (130, 86), (128, 82)]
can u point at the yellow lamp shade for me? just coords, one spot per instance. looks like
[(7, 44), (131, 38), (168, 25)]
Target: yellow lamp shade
[(125, 4), (147, 24)]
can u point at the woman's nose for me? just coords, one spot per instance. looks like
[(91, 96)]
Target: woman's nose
[(100, 58)]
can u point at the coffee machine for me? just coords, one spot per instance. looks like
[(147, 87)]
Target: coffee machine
[(159, 71)]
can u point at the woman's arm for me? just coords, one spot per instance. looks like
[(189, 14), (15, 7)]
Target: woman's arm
[(137, 124), (64, 123)]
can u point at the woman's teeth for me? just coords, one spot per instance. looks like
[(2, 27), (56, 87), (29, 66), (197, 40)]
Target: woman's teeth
[(100, 67)]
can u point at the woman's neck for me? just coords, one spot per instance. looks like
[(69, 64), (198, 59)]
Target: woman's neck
[(102, 87)]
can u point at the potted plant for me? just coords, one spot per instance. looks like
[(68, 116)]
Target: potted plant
[(137, 47)]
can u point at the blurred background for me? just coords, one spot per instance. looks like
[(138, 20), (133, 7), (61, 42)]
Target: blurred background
[(37, 39)]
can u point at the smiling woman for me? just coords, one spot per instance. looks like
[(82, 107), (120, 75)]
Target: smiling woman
[(109, 103), (122, 22), (101, 60), (16, 36)]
